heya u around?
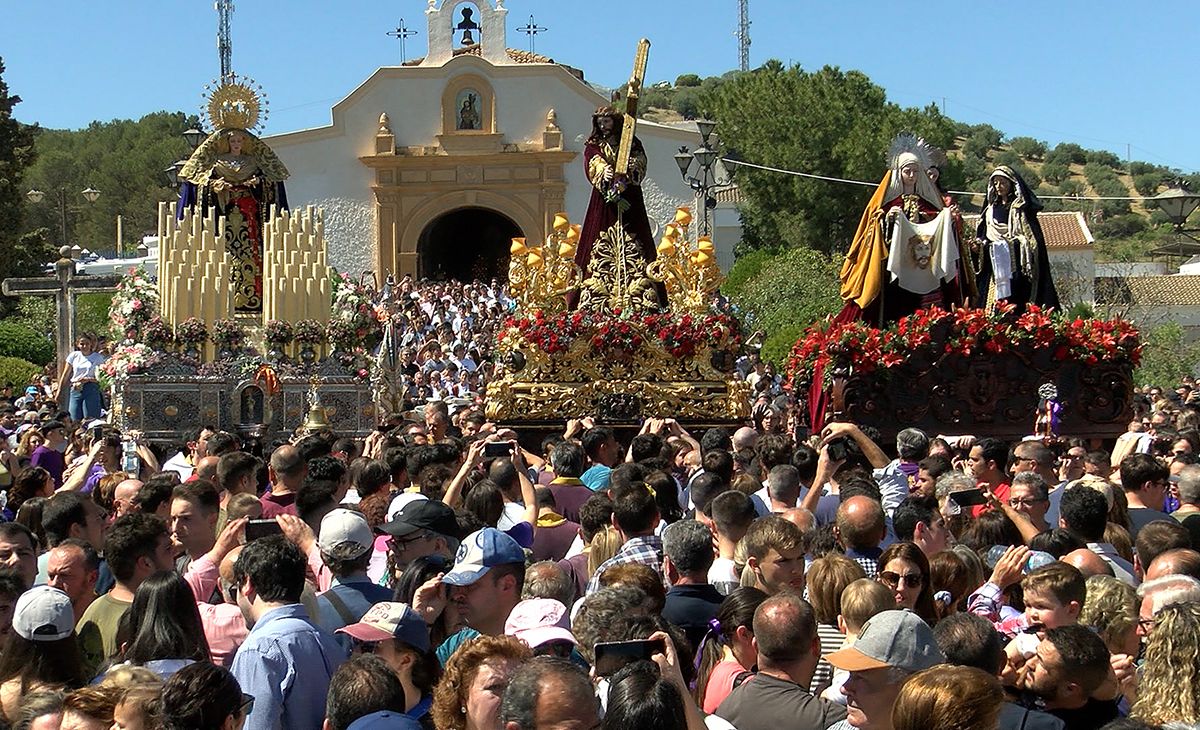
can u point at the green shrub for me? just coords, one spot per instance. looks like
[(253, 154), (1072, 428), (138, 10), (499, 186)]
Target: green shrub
[(1067, 153), (19, 340), (17, 372), (1147, 183), (1055, 172), (1103, 157), (1138, 167), (1165, 356), (791, 290), (1028, 147), (745, 268)]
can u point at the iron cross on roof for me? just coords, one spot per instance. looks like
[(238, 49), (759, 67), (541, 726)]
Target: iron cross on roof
[(401, 33), (532, 29)]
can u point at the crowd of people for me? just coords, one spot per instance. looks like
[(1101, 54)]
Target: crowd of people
[(445, 332), (447, 573), (438, 574)]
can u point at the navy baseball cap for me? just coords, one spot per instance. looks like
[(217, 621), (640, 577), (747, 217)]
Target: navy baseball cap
[(479, 553)]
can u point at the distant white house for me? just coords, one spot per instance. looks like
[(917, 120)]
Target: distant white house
[(1071, 248)]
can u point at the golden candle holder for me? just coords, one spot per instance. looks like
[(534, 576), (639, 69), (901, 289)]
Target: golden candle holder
[(688, 271), (539, 277)]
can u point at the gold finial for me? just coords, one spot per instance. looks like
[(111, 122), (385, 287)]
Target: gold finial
[(690, 274), (539, 277)]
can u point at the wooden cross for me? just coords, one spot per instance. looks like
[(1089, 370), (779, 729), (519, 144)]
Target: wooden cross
[(65, 285), (629, 124)]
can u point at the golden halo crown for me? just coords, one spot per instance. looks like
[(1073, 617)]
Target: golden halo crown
[(235, 103)]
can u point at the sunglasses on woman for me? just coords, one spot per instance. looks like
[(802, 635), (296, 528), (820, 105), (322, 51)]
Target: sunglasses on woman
[(908, 580)]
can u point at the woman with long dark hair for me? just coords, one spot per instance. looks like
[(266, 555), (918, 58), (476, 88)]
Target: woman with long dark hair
[(727, 651), (904, 569), (164, 632), (640, 697)]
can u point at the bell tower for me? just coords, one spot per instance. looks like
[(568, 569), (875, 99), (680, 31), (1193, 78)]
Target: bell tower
[(463, 23)]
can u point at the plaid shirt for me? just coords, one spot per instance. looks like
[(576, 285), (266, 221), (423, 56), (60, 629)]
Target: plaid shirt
[(645, 550), (869, 560)]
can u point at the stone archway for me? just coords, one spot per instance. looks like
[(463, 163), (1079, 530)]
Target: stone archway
[(466, 244)]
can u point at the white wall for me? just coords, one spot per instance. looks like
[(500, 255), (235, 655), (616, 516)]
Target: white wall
[(325, 169)]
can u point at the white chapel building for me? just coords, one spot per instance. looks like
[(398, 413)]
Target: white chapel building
[(432, 167)]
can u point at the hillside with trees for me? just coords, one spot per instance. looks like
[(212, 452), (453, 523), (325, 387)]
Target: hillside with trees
[(838, 124)]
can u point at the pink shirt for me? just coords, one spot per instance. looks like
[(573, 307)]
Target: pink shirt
[(224, 626), (720, 684)]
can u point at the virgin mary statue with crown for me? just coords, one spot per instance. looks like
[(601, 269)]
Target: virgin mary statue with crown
[(905, 254), (237, 175)]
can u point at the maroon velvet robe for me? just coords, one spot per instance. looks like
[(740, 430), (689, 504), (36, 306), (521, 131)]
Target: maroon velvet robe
[(601, 214)]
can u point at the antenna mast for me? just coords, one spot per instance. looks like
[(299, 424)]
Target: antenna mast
[(224, 37), (743, 35)]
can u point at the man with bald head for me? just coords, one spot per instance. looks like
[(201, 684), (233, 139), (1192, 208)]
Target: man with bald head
[(860, 528), (1180, 561), (745, 439), (1088, 562), (800, 517), (287, 470), (206, 469), (123, 496)]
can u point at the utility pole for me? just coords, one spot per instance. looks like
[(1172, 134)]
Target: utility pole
[(224, 37), (743, 35)]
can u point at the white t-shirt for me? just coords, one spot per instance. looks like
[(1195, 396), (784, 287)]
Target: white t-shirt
[(83, 367)]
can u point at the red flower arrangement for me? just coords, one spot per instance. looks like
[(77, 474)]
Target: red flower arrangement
[(936, 333)]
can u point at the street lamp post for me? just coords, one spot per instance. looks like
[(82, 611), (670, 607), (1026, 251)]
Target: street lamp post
[(699, 169), (36, 196), (1178, 203), (194, 137)]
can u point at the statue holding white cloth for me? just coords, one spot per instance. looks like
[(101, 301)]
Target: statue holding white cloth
[(1013, 265)]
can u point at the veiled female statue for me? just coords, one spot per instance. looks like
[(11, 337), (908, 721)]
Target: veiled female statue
[(1013, 264), (240, 177), (886, 276)]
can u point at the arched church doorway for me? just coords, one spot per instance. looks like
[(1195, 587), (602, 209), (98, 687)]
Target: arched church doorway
[(467, 244)]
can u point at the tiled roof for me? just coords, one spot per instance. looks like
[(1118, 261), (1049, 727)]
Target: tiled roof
[(1177, 289), (474, 50), (1063, 229), (731, 194)]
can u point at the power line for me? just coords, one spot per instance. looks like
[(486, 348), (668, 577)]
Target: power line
[(864, 183)]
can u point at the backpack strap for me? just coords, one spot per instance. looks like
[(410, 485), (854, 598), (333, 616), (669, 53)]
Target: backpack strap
[(340, 606), (741, 678)]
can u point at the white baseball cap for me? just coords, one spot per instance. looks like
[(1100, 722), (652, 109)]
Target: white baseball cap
[(345, 534), (43, 613)]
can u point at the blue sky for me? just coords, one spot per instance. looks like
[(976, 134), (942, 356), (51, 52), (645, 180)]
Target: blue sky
[(1103, 74)]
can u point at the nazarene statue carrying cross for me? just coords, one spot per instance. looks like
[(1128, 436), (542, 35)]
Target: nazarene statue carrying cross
[(616, 242), (65, 285)]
